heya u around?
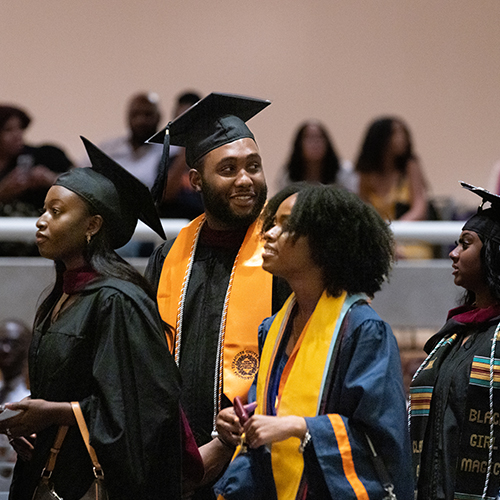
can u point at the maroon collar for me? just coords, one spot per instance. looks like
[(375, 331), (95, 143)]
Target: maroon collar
[(76, 279), (468, 314), (226, 240)]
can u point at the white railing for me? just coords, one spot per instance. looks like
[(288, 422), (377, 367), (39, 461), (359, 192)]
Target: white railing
[(23, 229), (436, 232)]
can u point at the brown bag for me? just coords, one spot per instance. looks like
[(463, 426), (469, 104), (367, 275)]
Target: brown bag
[(45, 488)]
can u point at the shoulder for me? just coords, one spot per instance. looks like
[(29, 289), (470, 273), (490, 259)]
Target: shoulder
[(363, 324), (347, 177), (266, 324), (114, 290), (264, 330), (361, 311), (414, 171), (115, 144), (52, 157), (155, 262)]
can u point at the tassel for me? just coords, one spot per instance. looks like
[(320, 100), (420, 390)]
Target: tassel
[(161, 179)]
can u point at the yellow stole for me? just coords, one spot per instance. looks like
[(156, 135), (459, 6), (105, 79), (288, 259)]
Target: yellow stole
[(248, 301), (301, 392)]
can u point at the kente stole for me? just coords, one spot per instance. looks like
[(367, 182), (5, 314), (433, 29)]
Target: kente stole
[(472, 459), (303, 379), (248, 301)]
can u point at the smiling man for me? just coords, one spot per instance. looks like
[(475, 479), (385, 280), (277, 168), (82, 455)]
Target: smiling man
[(210, 283)]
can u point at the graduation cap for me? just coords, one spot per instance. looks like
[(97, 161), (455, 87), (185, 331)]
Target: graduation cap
[(216, 120), (486, 221), (119, 197)]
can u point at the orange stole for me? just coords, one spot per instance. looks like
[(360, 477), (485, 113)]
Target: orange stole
[(301, 392), (248, 300)]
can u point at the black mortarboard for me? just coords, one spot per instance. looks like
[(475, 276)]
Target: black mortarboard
[(115, 194), (216, 120), (486, 221)]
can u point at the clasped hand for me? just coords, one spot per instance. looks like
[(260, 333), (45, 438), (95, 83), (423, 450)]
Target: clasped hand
[(259, 429)]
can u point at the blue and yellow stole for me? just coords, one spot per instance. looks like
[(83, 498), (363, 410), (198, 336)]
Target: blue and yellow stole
[(303, 380)]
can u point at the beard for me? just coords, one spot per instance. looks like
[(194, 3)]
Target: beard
[(219, 208)]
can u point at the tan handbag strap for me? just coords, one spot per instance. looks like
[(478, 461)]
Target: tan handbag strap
[(54, 451), (85, 435)]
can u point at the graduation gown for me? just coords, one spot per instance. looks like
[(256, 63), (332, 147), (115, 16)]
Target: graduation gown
[(363, 394), (108, 352), (203, 307), (450, 412), (213, 262)]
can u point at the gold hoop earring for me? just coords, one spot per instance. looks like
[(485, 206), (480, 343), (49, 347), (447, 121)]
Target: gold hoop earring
[(88, 238)]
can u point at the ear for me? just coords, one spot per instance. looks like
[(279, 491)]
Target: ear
[(94, 225), (195, 180)]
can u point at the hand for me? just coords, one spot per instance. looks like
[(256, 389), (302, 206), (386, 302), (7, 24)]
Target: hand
[(228, 426), (41, 177), (23, 447), (36, 415), (265, 429), (13, 185)]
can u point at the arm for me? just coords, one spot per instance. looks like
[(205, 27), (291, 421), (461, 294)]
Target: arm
[(367, 397), (216, 455), (155, 263), (36, 415), (13, 185), (418, 192), (133, 412), (265, 429)]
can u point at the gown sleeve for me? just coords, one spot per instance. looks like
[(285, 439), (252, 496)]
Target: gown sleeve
[(155, 263), (133, 412), (368, 398)]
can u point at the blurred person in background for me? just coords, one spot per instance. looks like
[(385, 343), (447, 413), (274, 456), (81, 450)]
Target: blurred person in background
[(314, 159), (134, 155), (130, 151), (15, 337), (26, 173), (391, 178), (180, 200), (390, 174)]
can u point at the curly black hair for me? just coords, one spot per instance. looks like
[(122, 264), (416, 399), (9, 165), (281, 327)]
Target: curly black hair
[(349, 241)]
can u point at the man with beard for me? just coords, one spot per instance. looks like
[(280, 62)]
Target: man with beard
[(130, 151), (209, 280)]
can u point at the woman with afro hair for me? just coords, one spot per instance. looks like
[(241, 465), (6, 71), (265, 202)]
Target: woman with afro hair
[(329, 390)]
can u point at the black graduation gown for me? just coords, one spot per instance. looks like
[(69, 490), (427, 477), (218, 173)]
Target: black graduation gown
[(445, 441), (108, 352), (203, 311)]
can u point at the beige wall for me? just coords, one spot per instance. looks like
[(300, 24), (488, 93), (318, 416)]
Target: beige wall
[(73, 64)]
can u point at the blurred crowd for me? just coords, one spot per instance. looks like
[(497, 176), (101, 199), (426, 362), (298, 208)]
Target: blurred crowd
[(159, 365), (386, 173)]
